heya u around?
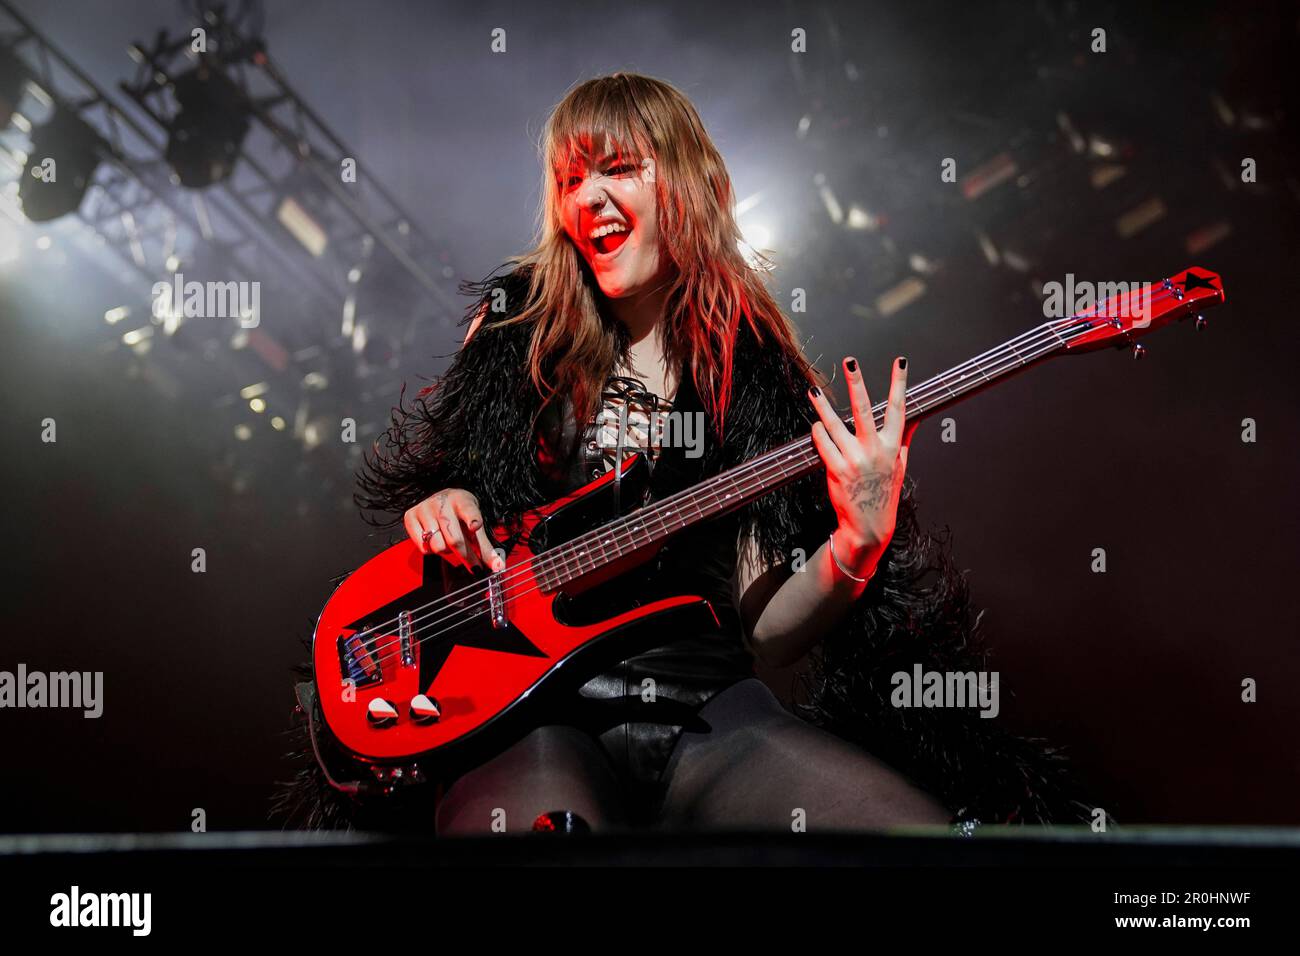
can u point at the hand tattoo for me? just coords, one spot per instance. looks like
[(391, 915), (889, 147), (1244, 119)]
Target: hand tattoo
[(871, 493)]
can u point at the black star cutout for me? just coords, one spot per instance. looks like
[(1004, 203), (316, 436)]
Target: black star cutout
[(435, 636), (1193, 281)]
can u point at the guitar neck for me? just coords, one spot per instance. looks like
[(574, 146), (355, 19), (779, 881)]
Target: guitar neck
[(738, 486), (1117, 321)]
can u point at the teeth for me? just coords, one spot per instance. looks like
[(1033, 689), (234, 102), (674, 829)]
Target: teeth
[(606, 229)]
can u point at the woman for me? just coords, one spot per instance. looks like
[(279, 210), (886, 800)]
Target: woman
[(637, 300)]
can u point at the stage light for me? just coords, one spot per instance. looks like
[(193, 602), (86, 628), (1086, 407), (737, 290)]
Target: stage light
[(208, 131), (60, 165), (138, 339), (900, 296), (302, 226), (349, 313), (755, 239), (859, 218), (114, 316), (258, 405), (757, 236), (828, 198)]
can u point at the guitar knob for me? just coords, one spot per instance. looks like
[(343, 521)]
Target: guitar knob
[(1139, 351), (381, 713), (424, 709), (1201, 323)]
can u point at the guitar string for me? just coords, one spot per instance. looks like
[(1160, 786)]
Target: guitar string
[(768, 467), (479, 603), (921, 393), (563, 554), (769, 462), (476, 589)]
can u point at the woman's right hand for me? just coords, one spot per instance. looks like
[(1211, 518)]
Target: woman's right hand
[(455, 525)]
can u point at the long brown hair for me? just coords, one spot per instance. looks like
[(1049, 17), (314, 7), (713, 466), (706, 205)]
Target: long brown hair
[(713, 288)]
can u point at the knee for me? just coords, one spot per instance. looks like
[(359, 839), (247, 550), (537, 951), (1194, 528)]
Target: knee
[(550, 771)]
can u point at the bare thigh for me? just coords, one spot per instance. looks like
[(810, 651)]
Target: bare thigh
[(555, 767), (761, 767)]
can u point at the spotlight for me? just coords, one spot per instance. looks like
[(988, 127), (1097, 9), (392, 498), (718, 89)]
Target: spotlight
[(62, 161), (208, 131), (302, 226)]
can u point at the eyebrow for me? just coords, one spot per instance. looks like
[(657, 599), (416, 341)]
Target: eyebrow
[(573, 161)]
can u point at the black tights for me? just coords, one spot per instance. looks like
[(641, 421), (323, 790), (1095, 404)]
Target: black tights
[(758, 767)]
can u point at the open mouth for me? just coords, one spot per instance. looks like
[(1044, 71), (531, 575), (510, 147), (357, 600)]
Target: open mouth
[(608, 245)]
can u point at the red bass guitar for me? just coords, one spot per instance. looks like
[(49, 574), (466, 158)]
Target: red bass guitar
[(419, 663)]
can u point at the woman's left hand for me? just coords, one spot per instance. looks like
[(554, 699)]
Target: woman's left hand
[(864, 467)]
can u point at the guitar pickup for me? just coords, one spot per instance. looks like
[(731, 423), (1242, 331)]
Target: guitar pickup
[(357, 661)]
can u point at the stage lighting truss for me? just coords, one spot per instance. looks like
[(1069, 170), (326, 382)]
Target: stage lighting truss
[(287, 171), (150, 228), (130, 204)]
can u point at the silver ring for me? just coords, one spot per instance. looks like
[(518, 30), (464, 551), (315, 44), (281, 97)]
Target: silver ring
[(430, 534)]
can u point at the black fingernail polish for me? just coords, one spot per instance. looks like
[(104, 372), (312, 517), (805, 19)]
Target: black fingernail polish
[(814, 391), (902, 363), (851, 364)]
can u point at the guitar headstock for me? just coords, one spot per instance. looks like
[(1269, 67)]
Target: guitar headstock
[(1124, 317)]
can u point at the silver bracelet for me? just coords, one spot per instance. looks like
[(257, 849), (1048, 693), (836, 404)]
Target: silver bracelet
[(835, 558)]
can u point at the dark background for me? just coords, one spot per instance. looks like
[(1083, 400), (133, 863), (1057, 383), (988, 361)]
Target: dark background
[(1137, 671)]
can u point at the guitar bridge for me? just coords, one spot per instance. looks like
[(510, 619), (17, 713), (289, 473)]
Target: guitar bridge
[(404, 639), (497, 601)]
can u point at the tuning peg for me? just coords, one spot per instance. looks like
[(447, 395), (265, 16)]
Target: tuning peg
[(1201, 323), (1139, 351)]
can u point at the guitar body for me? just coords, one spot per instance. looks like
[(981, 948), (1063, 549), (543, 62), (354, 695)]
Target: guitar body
[(401, 684)]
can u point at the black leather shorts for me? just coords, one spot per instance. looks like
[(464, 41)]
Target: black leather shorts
[(637, 712)]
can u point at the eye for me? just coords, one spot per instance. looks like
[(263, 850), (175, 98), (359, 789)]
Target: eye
[(573, 180)]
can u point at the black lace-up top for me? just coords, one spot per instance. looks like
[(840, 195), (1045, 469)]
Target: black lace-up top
[(630, 418), (687, 668)]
